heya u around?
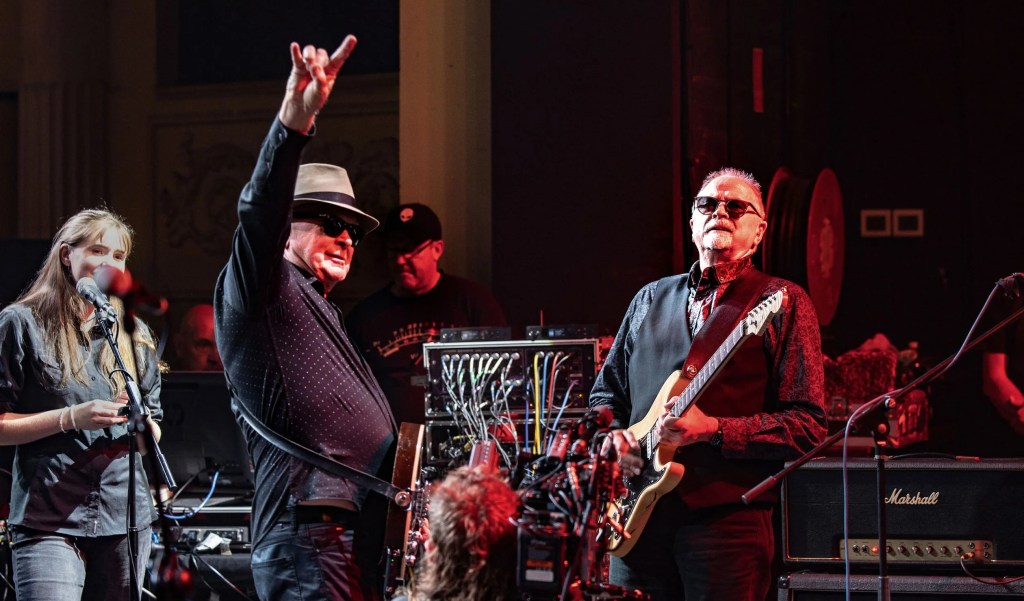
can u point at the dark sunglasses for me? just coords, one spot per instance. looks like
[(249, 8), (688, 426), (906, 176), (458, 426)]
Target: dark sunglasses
[(333, 226), (707, 205), (395, 251)]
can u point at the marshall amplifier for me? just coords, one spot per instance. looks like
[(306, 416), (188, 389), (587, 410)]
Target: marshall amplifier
[(939, 512), (832, 587)]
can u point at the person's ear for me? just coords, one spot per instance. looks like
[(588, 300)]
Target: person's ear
[(65, 254), (761, 228), (438, 248)]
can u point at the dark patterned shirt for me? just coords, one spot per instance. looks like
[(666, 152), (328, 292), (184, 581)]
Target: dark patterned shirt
[(711, 285), (286, 354), (792, 346)]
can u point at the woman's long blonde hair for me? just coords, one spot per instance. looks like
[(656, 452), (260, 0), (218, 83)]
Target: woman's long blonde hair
[(58, 308)]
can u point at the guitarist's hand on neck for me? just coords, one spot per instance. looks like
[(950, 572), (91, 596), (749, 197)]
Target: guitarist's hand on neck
[(692, 426)]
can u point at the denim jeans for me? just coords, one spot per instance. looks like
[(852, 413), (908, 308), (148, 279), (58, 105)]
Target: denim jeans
[(48, 565), (307, 562), (715, 554)]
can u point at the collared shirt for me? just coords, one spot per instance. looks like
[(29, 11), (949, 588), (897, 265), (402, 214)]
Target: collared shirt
[(74, 483), (286, 354), (711, 285)]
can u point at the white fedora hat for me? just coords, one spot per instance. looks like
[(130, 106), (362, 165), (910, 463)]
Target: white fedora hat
[(329, 186)]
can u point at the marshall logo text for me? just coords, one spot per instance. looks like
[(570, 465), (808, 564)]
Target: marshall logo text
[(897, 497)]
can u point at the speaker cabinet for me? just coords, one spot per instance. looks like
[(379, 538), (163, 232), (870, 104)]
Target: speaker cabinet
[(831, 587)]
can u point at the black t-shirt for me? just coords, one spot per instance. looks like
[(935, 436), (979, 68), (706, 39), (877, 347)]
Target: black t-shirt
[(390, 331)]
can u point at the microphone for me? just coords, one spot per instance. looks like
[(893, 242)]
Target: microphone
[(135, 296), (1012, 285), (88, 289)]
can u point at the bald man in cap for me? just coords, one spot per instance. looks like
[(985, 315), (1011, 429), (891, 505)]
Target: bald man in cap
[(288, 360)]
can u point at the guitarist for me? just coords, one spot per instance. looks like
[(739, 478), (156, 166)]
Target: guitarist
[(765, 406)]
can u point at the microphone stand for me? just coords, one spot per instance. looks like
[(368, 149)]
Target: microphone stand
[(137, 424), (878, 408)]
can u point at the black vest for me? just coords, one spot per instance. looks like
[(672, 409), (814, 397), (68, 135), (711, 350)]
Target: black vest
[(661, 346)]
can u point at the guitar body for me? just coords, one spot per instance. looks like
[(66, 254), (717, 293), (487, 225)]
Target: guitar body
[(396, 530), (659, 476)]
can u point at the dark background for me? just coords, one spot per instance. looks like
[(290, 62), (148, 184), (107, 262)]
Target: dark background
[(607, 114)]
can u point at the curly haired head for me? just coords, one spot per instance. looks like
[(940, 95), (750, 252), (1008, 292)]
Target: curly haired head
[(472, 548)]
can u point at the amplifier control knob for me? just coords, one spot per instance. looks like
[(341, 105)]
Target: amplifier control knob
[(958, 550), (930, 550), (916, 550), (855, 549), (888, 549), (902, 549), (944, 550)]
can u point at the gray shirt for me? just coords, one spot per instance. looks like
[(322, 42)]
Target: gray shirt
[(74, 483)]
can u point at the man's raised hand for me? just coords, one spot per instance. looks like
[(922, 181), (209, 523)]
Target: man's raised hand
[(310, 83)]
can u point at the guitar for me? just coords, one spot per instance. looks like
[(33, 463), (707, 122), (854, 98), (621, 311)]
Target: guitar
[(660, 474), (400, 519)]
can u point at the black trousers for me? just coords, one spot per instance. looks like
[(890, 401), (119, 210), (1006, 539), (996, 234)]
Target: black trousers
[(720, 553)]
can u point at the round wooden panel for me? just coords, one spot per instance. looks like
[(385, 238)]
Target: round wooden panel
[(826, 245)]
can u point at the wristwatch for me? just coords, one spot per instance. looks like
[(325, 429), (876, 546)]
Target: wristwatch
[(716, 438)]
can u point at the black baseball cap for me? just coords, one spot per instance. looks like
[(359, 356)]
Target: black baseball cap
[(410, 225)]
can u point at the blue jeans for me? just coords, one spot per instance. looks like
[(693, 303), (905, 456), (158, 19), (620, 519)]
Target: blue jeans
[(715, 554), (312, 562), (48, 565)]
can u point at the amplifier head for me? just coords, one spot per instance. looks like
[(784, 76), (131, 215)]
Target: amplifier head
[(937, 510)]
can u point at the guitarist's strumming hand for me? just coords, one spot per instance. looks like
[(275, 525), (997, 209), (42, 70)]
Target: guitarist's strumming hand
[(692, 426)]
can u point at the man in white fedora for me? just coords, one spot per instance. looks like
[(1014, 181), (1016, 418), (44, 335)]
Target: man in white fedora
[(289, 362)]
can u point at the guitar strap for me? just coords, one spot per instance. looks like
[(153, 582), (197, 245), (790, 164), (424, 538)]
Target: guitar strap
[(323, 462), (739, 297)]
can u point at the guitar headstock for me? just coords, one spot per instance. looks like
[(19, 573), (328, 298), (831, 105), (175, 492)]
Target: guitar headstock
[(757, 319)]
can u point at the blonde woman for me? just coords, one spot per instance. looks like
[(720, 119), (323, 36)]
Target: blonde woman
[(59, 406)]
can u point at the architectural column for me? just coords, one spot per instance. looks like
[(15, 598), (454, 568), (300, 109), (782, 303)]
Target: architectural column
[(445, 124), (61, 112)]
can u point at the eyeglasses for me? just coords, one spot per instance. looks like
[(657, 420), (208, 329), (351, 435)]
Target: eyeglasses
[(707, 205), (333, 226), (394, 252)]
